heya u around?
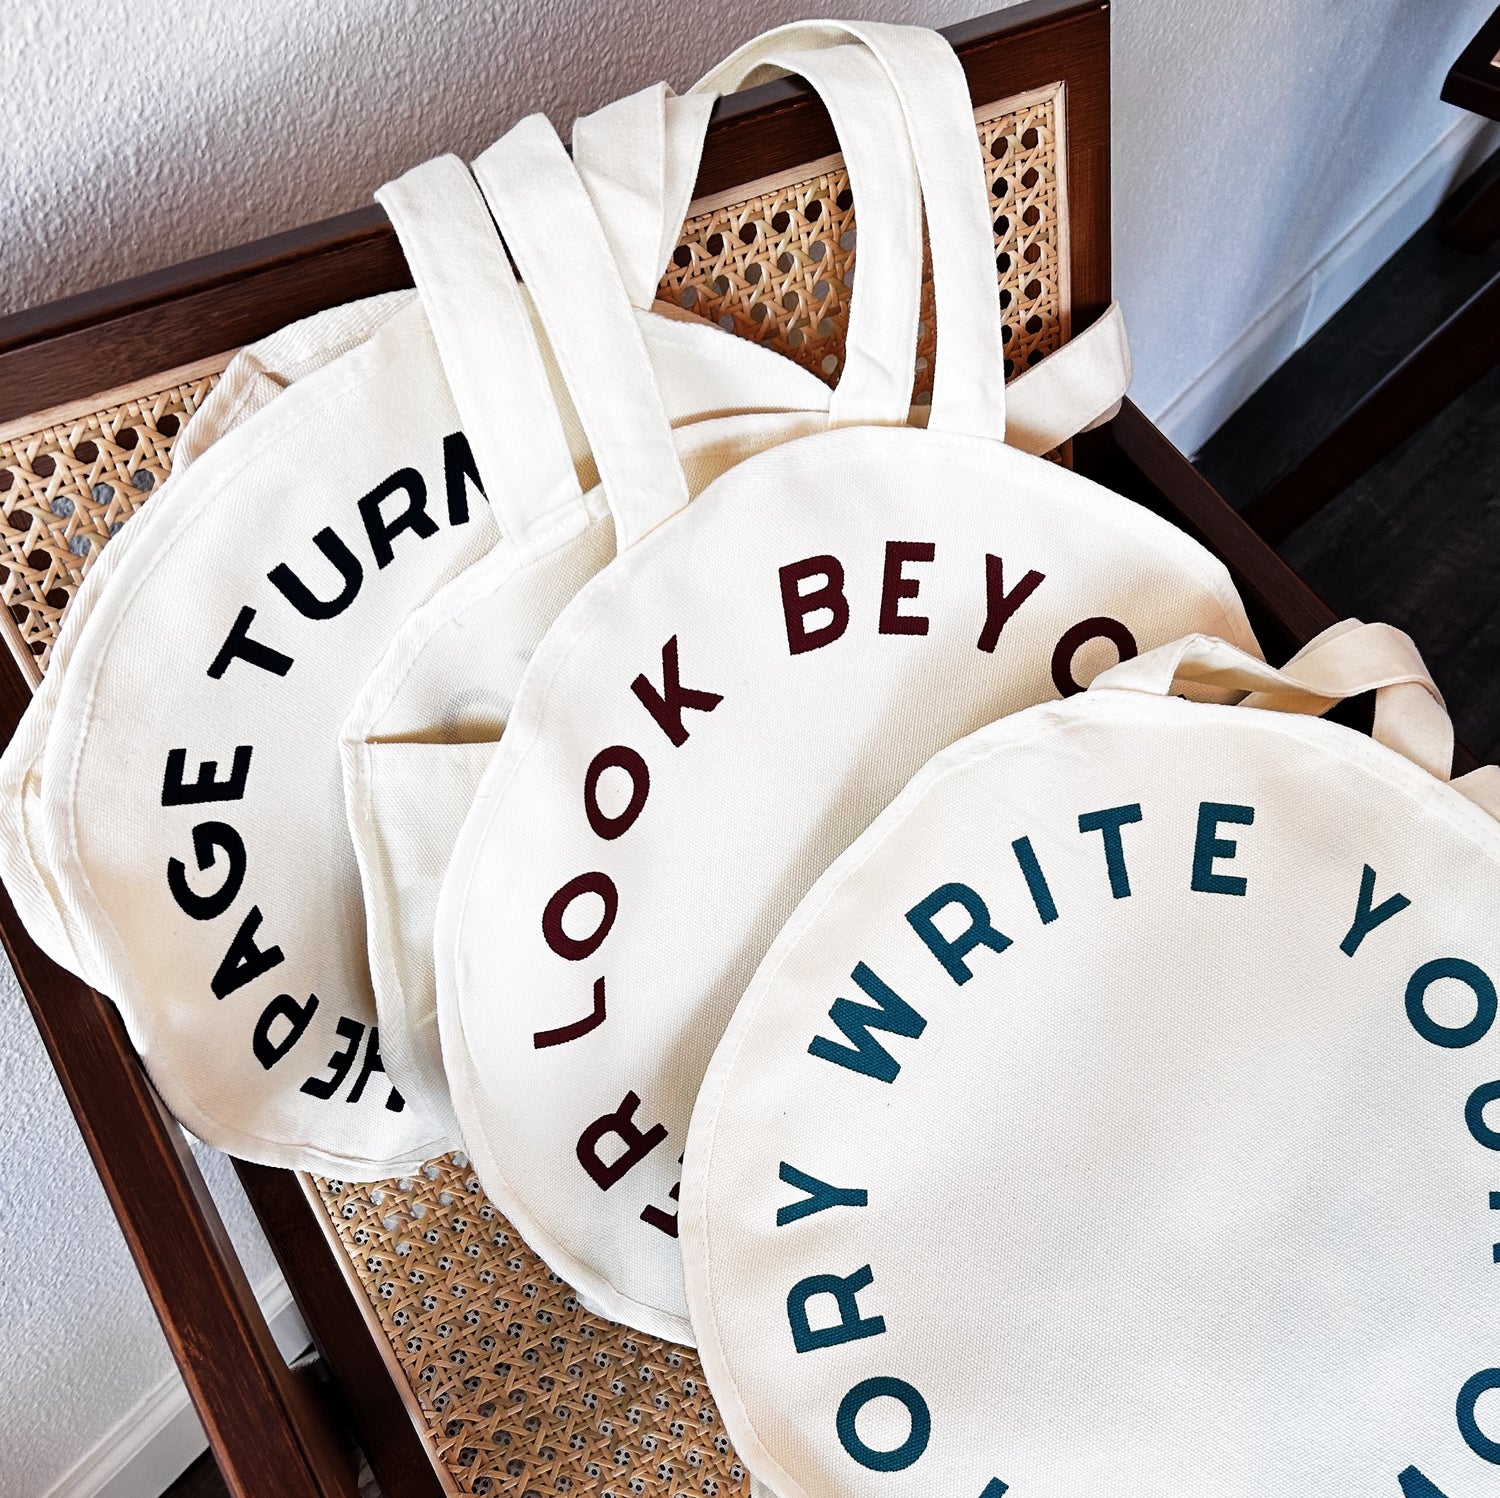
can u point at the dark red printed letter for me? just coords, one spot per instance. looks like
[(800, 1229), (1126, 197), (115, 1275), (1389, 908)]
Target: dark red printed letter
[(1079, 636), (576, 948), (797, 605), (668, 705), (1000, 605), (895, 585), (619, 1124)]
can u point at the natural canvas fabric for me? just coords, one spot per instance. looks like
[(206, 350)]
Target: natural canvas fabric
[(420, 733), (1119, 1113), (723, 709), (181, 841)]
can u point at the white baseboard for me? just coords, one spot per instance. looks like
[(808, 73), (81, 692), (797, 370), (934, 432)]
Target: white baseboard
[(1197, 411), (161, 1437)]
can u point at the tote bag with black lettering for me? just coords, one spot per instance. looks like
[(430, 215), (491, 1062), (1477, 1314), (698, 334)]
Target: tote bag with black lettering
[(725, 707), (422, 730), (1119, 1114), (186, 849), (254, 377)]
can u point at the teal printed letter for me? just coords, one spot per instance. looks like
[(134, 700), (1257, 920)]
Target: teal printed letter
[(1209, 846), (1414, 1485), (1036, 881), (1485, 1448), (1453, 1037), (910, 1450), (820, 1196), (850, 1327), (1368, 915), (1109, 821), (867, 1055), (951, 951), (1479, 1100)]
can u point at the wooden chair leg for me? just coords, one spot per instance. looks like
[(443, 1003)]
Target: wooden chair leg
[(269, 1430), (366, 1379), (1436, 373)]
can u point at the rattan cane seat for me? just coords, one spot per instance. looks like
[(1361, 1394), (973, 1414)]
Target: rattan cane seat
[(518, 1391)]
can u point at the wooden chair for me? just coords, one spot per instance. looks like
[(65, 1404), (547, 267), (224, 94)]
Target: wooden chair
[(447, 1353)]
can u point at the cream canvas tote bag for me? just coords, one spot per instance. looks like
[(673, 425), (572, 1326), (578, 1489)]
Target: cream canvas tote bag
[(251, 380), (726, 706), (421, 732), (1119, 1113), (175, 790)]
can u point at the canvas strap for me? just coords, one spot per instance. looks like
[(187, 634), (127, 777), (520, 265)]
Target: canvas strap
[(1349, 658), (968, 393), (874, 387), (553, 233), (483, 331), (639, 158)]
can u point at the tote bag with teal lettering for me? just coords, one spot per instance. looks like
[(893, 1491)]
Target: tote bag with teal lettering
[(1121, 1113)]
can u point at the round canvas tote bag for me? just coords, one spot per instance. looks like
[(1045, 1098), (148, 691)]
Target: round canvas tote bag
[(1119, 1113), (189, 844), (726, 706), (255, 376), (422, 730)]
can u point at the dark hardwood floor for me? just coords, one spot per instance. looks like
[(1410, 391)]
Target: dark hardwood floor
[(201, 1480), (1416, 540)]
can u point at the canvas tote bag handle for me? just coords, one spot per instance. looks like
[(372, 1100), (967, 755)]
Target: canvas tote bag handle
[(554, 236), (874, 387), (1349, 658), (968, 393), (483, 331), (639, 159)]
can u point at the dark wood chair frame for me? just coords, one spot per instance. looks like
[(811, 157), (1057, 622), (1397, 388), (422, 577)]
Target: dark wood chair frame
[(291, 1433)]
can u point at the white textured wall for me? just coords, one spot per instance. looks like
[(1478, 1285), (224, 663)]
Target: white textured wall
[(1267, 156)]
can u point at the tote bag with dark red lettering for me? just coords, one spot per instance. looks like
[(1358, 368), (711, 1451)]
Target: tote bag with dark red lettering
[(724, 708), (421, 731)]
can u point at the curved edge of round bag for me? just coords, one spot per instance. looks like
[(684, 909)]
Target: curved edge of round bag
[(521, 1040), (646, 477), (252, 379), (442, 336), (420, 733), (330, 408), (917, 1227), (176, 952)]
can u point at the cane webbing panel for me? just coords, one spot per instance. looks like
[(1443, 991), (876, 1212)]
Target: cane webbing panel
[(775, 264), (519, 1392), (523, 1391), (65, 489)]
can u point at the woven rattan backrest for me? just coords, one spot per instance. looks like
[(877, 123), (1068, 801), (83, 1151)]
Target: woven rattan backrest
[(519, 1392)]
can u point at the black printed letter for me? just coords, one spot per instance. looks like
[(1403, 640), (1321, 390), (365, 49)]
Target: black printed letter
[(239, 646), (207, 836), (302, 598), (413, 518)]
